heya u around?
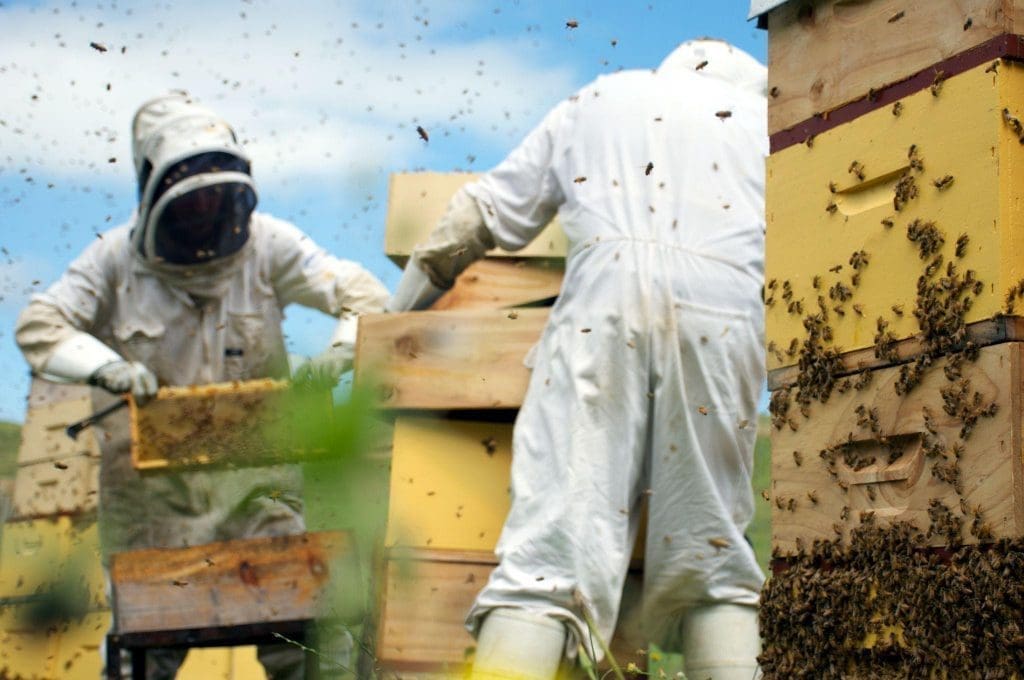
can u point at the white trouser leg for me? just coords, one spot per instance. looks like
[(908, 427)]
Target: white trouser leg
[(721, 642), (517, 644)]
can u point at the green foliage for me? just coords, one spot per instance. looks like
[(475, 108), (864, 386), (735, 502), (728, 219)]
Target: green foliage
[(10, 439)]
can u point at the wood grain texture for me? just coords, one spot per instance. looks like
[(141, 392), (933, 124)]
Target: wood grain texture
[(826, 53), (448, 360), (423, 605), (255, 422), (808, 502), (416, 201), (229, 583), (496, 284)]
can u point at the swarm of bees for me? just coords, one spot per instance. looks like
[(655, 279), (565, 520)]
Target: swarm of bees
[(919, 605)]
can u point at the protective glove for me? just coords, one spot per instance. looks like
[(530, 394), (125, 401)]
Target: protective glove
[(415, 290), (126, 376), (326, 368)]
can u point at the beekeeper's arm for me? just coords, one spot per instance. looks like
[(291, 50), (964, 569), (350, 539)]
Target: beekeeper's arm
[(53, 330), (304, 273), (507, 207)]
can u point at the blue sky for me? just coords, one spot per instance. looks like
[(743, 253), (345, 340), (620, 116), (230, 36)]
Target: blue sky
[(326, 95)]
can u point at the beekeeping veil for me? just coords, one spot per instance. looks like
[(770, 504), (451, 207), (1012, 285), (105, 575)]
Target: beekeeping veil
[(195, 194)]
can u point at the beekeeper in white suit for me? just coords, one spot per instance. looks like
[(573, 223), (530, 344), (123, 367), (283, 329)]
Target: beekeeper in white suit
[(191, 291), (647, 377)]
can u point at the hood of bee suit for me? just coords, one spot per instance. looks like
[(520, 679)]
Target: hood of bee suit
[(196, 194), (724, 62)]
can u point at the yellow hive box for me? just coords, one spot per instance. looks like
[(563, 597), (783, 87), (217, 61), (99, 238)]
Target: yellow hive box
[(416, 201), (449, 484), (836, 196)]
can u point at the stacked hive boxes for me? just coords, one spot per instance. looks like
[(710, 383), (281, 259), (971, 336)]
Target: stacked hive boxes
[(452, 377), (54, 610), (893, 273)]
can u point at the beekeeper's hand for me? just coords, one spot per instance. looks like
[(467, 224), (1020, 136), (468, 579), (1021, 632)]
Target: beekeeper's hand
[(126, 376)]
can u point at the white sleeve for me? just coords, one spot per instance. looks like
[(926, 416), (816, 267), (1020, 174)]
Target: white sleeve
[(522, 194), (306, 274)]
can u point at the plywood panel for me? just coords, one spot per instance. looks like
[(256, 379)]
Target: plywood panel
[(448, 360), (416, 201), (229, 583), (495, 284), (826, 53), (897, 454), (835, 198)]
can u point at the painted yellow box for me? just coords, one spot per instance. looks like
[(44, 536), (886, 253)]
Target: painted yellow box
[(39, 556), (449, 484), (417, 200), (951, 157), (43, 437)]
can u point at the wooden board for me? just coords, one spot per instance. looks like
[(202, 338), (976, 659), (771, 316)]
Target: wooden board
[(256, 422), (448, 360), (424, 599), (990, 464), (826, 53), (962, 134), (229, 583), (416, 201), (981, 333), (496, 284), (65, 486)]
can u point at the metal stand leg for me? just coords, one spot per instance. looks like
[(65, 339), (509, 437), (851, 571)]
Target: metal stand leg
[(113, 657), (139, 664)]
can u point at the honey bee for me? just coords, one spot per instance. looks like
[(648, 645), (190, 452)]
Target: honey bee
[(896, 17), (650, 166), (701, 65), (943, 182), (580, 180), (993, 67), (856, 168), (572, 23), (897, 108), (798, 458), (723, 114), (422, 133)]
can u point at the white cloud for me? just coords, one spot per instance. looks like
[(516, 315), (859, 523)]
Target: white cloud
[(318, 89)]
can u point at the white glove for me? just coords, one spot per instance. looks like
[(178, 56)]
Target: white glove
[(415, 290), (326, 368), (126, 376)]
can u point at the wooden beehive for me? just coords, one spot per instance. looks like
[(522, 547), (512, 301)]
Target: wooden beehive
[(256, 422), (872, 450), (456, 359), (228, 583), (825, 55), (948, 163), (416, 201)]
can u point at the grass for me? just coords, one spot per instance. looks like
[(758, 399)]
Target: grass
[(10, 439), (760, 530)]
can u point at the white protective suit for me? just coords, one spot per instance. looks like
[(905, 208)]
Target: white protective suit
[(647, 377), (212, 322)]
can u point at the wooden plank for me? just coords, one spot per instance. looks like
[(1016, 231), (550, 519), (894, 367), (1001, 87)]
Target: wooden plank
[(448, 360), (981, 333), (424, 603), (808, 501), (256, 422), (416, 201), (66, 486), (496, 284), (819, 213), (824, 54), (229, 583)]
